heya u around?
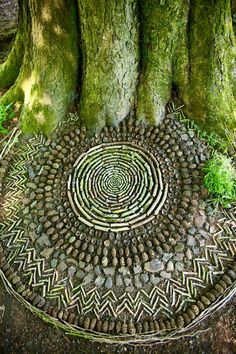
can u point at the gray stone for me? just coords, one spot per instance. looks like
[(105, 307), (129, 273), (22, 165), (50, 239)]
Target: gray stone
[(154, 280), (178, 257), (108, 283), (54, 263), (32, 235), (196, 250), (165, 275), (170, 266), (189, 254), (80, 274), (71, 271), (88, 278), (109, 271), (137, 269), (81, 264), (72, 261), (62, 266), (144, 278), (192, 230), (199, 220), (43, 240), (62, 256), (125, 271), (46, 252), (127, 281), (31, 173), (203, 233), (97, 270), (166, 256), (154, 266), (191, 241), (88, 268), (31, 185), (179, 266), (99, 280), (119, 281), (129, 289), (179, 247), (137, 282)]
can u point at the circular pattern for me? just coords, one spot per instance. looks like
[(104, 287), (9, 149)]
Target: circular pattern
[(159, 275), (116, 187)]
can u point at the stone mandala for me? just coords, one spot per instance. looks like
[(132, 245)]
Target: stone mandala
[(112, 233)]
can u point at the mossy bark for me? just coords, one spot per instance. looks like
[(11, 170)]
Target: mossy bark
[(161, 25), (135, 57), (48, 76), (9, 70), (210, 99), (109, 35)]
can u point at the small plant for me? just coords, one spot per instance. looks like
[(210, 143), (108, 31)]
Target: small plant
[(220, 179), (6, 113)]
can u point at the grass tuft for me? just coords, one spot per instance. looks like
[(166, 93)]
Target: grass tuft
[(220, 179)]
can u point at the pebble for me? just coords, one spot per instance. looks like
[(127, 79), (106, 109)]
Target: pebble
[(62, 266), (170, 266), (137, 282), (46, 252), (104, 261), (72, 239), (71, 271), (109, 271), (166, 256), (189, 254), (165, 275), (81, 264), (97, 270), (191, 241), (53, 263), (178, 257), (154, 266), (154, 280), (179, 266), (125, 271), (62, 256), (99, 280), (179, 247), (43, 240), (129, 289), (137, 269), (127, 281), (119, 281), (88, 278), (192, 230), (108, 283), (196, 250), (199, 220), (144, 278), (80, 274), (88, 268), (31, 185)]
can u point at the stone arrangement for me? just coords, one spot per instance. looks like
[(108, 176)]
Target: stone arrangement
[(112, 233)]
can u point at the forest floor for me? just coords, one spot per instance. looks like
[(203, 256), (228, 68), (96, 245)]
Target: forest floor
[(21, 332)]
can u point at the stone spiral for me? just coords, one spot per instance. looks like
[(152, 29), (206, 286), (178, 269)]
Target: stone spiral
[(116, 186)]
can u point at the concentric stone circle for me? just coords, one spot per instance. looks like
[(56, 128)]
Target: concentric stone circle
[(116, 187), (155, 279)]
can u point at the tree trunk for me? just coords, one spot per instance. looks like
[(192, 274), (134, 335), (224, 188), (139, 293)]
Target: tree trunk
[(134, 57)]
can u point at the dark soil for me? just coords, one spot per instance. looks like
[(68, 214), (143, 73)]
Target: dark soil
[(21, 332)]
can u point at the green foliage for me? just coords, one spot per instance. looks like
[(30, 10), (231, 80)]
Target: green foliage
[(6, 113), (220, 179)]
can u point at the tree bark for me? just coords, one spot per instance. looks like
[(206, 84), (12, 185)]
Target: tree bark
[(135, 57), (110, 60)]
